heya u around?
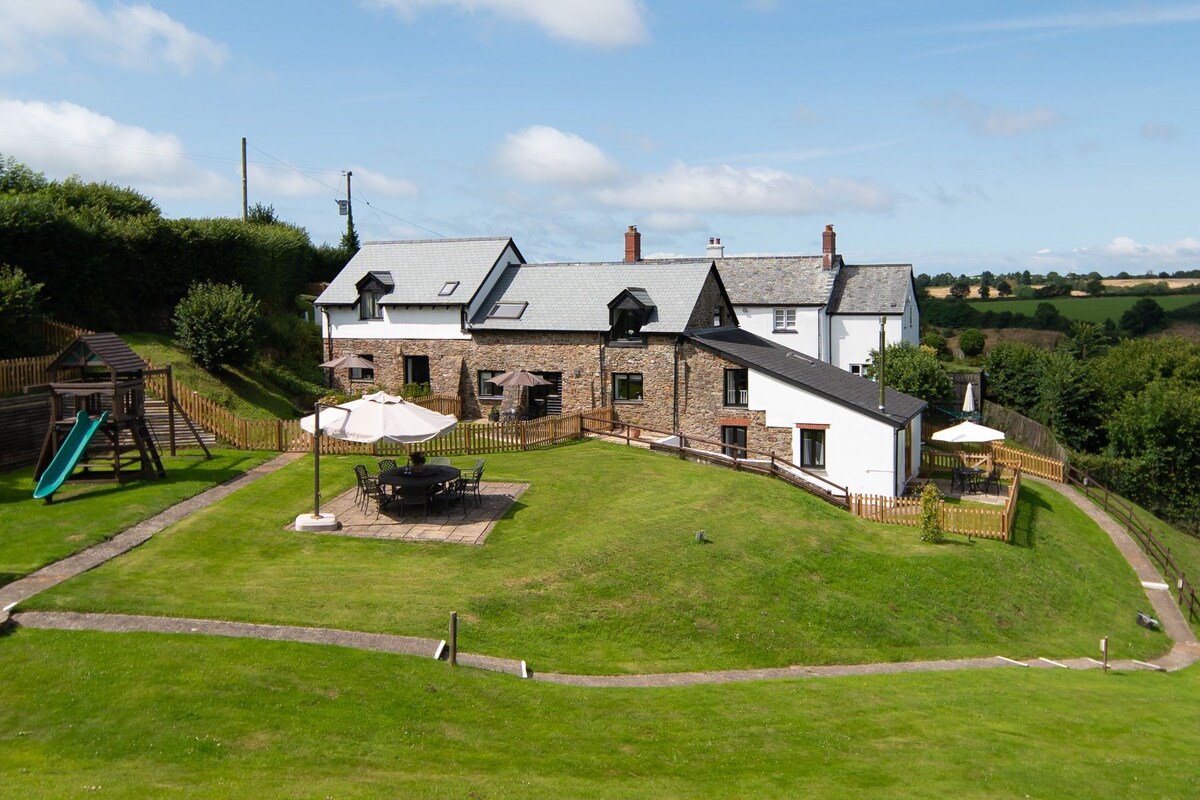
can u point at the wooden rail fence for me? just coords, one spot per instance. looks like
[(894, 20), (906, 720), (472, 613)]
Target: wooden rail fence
[(1039, 466), (985, 523), (1123, 512)]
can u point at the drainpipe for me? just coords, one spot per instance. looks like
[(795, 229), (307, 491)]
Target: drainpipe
[(329, 344), (675, 389), (603, 383)]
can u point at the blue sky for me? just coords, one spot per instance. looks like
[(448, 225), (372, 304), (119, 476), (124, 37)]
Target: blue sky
[(956, 136)]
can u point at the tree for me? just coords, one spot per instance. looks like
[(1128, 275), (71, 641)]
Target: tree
[(1069, 401), (986, 278), (1014, 373), (961, 289), (218, 324), (972, 342), (985, 291), (1086, 340), (1026, 278), (16, 178), (935, 342), (261, 214), (19, 305), (931, 514), (912, 369), (1145, 315), (1047, 317), (1004, 288), (1094, 287)]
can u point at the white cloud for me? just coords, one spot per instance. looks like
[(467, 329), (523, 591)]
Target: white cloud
[(745, 191), (601, 23), (545, 155), (993, 121), (1140, 15), (669, 222), (378, 183), (1127, 247), (63, 139), (133, 36), (279, 181)]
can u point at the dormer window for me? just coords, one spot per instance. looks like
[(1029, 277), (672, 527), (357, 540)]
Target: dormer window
[(628, 313), (371, 290)]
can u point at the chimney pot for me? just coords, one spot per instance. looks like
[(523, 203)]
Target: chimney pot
[(633, 245), (828, 247), (715, 248)]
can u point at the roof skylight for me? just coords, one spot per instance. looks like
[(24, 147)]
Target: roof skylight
[(507, 311), (448, 288)]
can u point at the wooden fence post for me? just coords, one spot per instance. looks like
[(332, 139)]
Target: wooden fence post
[(279, 435)]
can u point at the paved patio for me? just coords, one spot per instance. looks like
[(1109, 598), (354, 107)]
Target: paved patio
[(439, 526)]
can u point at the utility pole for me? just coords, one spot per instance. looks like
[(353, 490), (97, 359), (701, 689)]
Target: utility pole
[(882, 360), (245, 194), (349, 207)]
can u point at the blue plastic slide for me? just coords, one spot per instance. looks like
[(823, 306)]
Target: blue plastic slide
[(69, 454)]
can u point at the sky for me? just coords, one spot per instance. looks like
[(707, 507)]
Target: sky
[(957, 136)]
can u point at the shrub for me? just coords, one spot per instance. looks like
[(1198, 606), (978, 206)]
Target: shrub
[(217, 324), (1014, 374), (913, 370), (1145, 315), (19, 304), (931, 514), (971, 342), (935, 342)]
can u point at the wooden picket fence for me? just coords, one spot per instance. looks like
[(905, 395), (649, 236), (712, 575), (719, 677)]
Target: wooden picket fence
[(1040, 466), (17, 373), (984, 523)]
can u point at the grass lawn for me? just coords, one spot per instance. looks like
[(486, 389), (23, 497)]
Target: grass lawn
[(596, 570), (138, 715), (1090, 309), (245, 393), (33, 534)]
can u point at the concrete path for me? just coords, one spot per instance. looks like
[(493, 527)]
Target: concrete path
[(1185, 652), (123, 542)]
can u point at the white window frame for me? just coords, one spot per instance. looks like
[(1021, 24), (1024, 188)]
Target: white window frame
[(788, 317)]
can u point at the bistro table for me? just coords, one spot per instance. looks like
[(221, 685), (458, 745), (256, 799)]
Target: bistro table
[(430, 476)]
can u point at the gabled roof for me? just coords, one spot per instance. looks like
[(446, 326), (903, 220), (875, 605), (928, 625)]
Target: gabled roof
[(576, 297), (777, 280), (418, 270), (96, 350), (809, 374), (871, 289)]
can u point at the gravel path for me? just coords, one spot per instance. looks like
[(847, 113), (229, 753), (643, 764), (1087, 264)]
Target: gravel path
[(1185, 652)]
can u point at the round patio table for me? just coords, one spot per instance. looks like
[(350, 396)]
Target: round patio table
[(430, 475)]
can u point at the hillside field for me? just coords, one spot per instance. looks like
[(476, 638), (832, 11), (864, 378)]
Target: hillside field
[(1089, 309)]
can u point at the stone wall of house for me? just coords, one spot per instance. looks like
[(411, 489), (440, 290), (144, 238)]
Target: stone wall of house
[(702, 409), (710, 299), (575, 355), (446, 360), (656, 363)]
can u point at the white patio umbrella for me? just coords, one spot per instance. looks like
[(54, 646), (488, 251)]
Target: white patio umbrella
[(368, 419), (968, 432), (969, 399)]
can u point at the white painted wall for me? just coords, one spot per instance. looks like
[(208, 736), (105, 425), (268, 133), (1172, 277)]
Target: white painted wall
[(760, 320), (859, 450), (399, 322), (853, 337)]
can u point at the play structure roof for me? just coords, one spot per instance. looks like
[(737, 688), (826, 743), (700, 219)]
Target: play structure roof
[(99, 350)]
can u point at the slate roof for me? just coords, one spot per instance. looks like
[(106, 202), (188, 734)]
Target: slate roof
[(419, 269), (871, 289), (575, 297), (95, 349), (776, 280), (808, 373)]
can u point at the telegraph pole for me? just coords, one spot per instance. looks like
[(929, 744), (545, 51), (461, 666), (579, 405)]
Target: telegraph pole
[(245, 194), (349, 207)]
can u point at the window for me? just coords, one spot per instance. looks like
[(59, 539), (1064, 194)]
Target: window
[(627, 326), (856, 369), (416, 369), (785, 319), (737, 387), (369, 306), (507, 311), (812, 449), (717, 317), (486, 387), (627, 386), (733, 437), (367, 375), (448, 288)]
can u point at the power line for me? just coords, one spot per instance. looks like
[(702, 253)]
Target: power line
[(408, 222)]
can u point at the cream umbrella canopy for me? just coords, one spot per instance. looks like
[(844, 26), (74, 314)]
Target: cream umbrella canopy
[(369, 419), (968, 432), (969, 399)]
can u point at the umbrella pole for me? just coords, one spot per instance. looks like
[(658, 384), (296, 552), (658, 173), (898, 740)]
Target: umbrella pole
[(317, 462)]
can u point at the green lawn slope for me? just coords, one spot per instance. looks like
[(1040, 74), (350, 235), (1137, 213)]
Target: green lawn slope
[(149, 716), (596, 570)]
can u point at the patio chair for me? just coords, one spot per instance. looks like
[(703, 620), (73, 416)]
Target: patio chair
[(992, 480), (479, 463), (369, 489), (471, 485), (386, 464), (412, 496), (455, 492), (439, 461)]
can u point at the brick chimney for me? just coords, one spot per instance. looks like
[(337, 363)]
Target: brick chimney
[(633, 245), (715, 248), (828, 247)]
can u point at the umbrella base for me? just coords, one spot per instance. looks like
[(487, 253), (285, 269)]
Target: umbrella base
[(322, 522)]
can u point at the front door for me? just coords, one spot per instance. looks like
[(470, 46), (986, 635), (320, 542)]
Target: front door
[(416, 369), (545, 400), (733, 437)]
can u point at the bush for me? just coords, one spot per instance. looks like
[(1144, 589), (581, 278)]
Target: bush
[(1145, 315), (217, 324), (935, 342), (1014, 375), (913, 370), (19, 305), (971, 342), (931, 514)]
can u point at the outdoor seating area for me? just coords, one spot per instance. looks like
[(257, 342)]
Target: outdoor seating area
[(427, 486)]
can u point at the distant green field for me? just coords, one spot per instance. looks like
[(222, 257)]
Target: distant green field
[(1090, 309)]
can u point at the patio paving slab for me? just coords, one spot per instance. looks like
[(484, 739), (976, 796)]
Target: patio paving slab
[(453, 525)]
